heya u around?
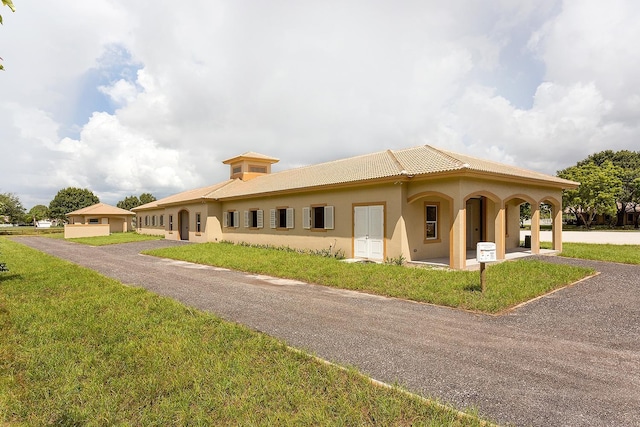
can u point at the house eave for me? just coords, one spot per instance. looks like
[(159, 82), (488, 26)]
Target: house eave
[(495, 176)]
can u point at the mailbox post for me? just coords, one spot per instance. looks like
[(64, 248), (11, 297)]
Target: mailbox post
[(485, 252)]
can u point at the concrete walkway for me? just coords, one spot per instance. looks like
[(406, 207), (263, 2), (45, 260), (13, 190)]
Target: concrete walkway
[(569, 359), (612, 237)]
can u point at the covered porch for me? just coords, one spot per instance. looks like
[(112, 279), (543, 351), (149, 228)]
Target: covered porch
[(460, 221)]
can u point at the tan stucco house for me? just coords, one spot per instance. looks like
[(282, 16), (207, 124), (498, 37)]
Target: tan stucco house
[(420, 203), (98, 220)]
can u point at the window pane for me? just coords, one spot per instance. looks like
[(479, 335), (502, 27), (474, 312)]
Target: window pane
[(318, 217), (431, 230), (432, 213)]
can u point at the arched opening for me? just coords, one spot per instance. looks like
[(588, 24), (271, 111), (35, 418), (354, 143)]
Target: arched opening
[(517, 215), (484, 221), (429, 223), (551, 215)]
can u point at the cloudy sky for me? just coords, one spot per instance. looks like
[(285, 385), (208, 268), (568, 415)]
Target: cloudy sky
[(124, 97)]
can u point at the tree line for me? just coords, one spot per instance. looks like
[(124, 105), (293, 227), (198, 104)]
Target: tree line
[(609, 186), (66, 200)]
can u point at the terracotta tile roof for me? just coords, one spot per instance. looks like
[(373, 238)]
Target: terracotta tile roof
[(412, 162), (482, 165), (416, 161), (186, 196), (354, 169), (101, 209)]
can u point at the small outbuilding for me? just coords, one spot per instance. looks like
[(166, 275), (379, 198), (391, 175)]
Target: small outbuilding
[(98, 220)]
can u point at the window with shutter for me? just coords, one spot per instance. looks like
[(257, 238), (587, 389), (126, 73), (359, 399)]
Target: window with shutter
[(282, 218), (232, 219), (253, 218), (321, 217)]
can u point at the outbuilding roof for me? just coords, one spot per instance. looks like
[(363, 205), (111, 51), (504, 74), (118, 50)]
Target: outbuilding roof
[(101, 209)]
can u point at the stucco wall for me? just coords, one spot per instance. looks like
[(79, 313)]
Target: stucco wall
[(117, 224), (72, 231), (419, 247), (173, 222), (147, 227), (339, 238)]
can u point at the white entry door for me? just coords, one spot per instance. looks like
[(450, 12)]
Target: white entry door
[(368, 232)]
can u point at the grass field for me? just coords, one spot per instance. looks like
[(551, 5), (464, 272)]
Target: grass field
[(30, 230), (508, 283), (115, 238), (77, 348), (626, 254)]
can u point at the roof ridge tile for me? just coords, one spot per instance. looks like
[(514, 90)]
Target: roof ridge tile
[(401, 167)]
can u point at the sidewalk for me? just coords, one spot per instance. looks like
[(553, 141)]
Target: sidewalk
[(612, 237)]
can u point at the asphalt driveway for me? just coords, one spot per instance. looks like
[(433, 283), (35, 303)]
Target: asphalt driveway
[(568, 359)]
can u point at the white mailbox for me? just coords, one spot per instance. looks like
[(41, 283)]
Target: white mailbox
[(486, 252)]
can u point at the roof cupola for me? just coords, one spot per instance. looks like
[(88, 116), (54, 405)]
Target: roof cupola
[(250, 165)]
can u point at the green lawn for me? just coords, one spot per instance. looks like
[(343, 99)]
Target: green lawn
[(31, 230), (77, 348), (626, 254), (115, 238), (508, 283)]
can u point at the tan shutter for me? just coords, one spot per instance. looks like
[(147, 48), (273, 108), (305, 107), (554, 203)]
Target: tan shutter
[(328, 217), (260, 218), (290, 221), (272, 218), (306, 218), (225, 219), (236, 219), (246, 219)]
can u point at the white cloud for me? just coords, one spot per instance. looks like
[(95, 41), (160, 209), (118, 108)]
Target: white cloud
[(121, 92), (111, 156)]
